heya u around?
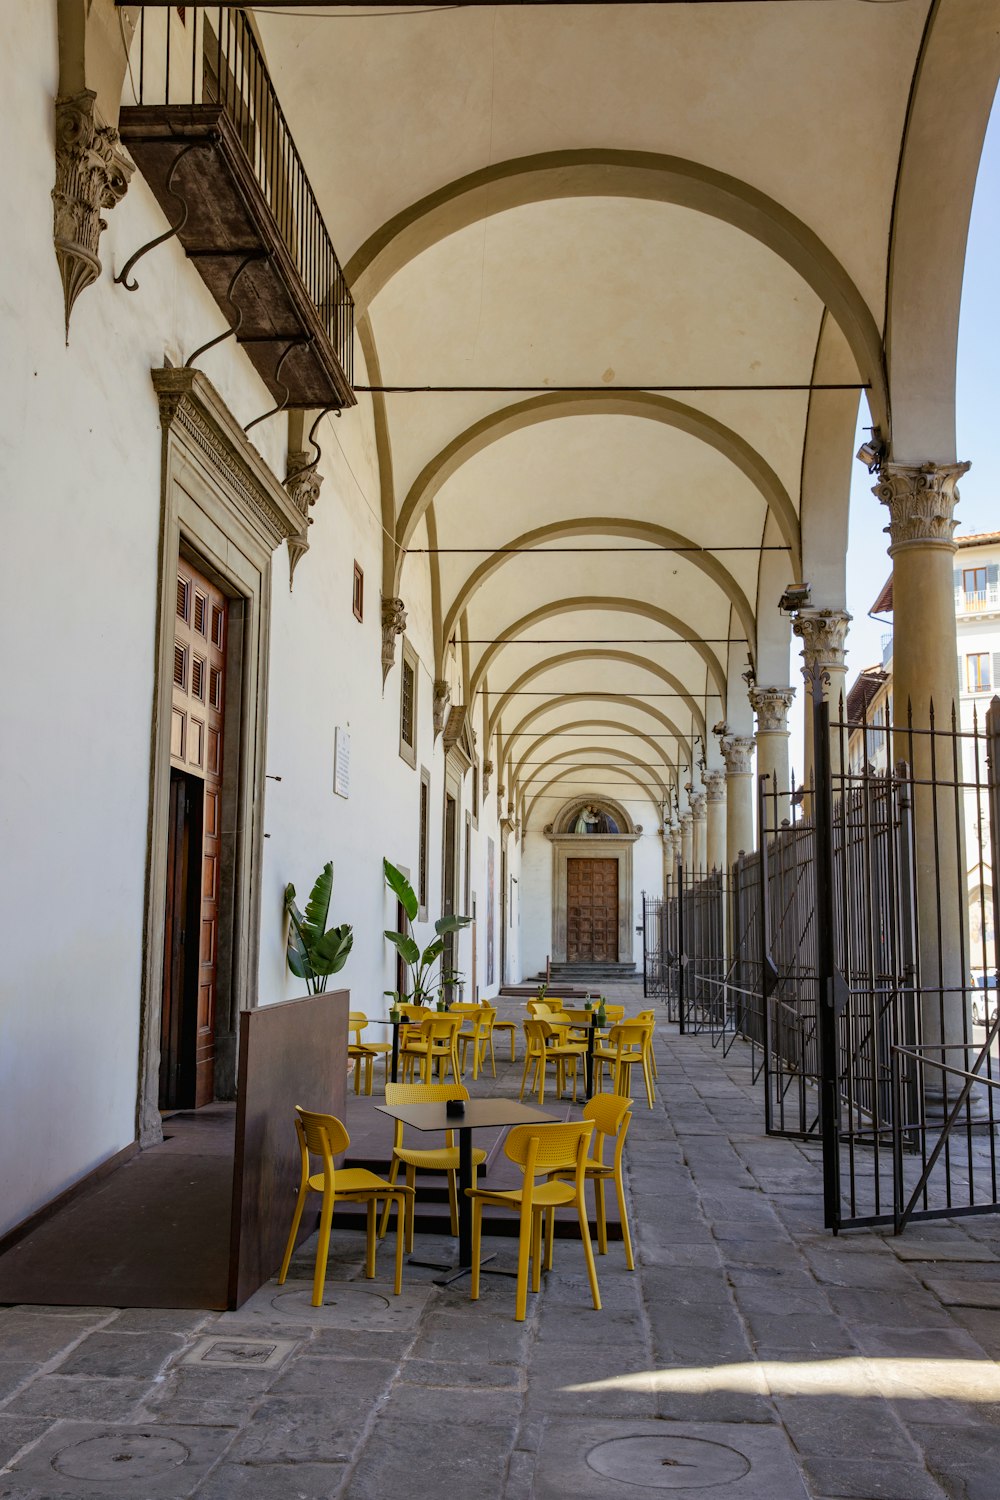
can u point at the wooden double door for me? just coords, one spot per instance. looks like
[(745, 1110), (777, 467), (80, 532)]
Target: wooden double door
[(194, 844), (591, 911)]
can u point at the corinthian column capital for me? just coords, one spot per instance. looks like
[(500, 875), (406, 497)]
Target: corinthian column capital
[(737, 749), (921, 500), (715, 785), (698, 807), (771, 705), (822, 633)]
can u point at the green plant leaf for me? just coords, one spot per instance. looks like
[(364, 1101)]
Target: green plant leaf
[(406, 945), (398, 883), (432, 951), (318, 905), (451, 924), (330, 952)]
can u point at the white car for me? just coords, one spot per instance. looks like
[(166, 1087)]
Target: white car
[(984, 998)]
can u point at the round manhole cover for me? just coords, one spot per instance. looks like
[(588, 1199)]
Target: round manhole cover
[(125, 1456), (668, 1463), (339, 1303)]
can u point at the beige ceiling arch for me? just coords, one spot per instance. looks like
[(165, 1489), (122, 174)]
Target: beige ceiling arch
[(643, 404), (587, 766), (545, 790), (684, 741), (596, 653), (605, 173), (383, 453), (603, 602), (610, 526), (597, 725), (591, 755)]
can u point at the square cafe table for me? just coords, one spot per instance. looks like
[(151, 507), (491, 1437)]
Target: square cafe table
[(479, 1114)]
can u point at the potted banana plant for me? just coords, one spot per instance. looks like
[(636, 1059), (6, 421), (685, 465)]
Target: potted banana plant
[(427, 975), (315, 951)]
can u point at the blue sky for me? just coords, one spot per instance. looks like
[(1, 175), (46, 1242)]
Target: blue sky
[(978, 417)]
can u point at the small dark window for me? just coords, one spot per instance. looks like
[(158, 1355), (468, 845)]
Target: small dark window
[(359, 593), (218, 618), (425, 833), (200, 613), (215, 687), (183, 596), (198, 677), (180, 667)]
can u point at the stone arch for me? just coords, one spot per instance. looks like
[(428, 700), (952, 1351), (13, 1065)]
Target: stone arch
[(630, 775), (606, 173), (550, 703), (644, 404), (594, 765), (627, 823), (604, 602), (959, 61), (609, 526), (596, 653), (544, 735)]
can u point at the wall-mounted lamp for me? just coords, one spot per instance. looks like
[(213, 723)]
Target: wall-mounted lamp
[(872, 452), (795, 597)]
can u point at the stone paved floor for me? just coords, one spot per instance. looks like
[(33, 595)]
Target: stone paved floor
[(750, 1356)]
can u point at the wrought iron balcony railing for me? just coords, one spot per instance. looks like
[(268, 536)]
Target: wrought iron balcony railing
[(210, 136)]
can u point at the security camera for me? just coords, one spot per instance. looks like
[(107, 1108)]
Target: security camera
[(795, 597)]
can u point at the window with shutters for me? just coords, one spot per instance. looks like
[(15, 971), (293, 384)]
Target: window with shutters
[(977, 672), (408, 705), (424, 838)]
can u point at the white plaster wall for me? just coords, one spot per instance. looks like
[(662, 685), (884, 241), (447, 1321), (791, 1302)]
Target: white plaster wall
[(80, 497)]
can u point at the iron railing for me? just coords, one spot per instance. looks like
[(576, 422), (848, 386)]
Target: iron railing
[(211, 58)]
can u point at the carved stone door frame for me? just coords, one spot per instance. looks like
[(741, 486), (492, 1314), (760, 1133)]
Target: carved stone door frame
[(567, 846), (223, 509)]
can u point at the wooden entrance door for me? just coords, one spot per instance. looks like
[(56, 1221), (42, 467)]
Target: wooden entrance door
[(591, 911), (194, 856)]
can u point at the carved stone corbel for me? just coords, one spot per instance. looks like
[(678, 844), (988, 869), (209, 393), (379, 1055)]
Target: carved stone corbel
[(302, 482), (92, 172), (442, 698), (393, 624), (487, 773)]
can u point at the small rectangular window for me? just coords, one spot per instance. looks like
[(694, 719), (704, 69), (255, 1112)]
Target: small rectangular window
[(408, 705), (183, 596), (977, 672), (974, 580), (198, 665), (180, 667), (424, 840), (359, 593), (200, 613), (218, 621)]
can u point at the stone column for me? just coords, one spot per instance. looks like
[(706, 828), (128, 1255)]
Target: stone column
[(687, 840), (921, 499), (738, 752), (823, 633), (771, 705), (699, 848), (715, 792)]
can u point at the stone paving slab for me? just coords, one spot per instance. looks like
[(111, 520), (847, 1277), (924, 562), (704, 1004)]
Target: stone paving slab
[(749, 1355)]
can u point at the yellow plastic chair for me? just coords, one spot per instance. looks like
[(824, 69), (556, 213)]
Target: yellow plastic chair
[(612, 1115), (440, 1159), (540, 1049), (627, 1044), (435, 1040), (648, 1018), (480, 1035), (364, 1053), (539, 1150), (503, 1025), (324, 1136)]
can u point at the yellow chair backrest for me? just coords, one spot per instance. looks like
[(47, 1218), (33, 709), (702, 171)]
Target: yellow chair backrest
[(548, 1148), (322, 1135), (607, 1112), (628, 1034), (615, 1012), (537, 1033), (541, 1007), (440, 1027), (424, 1093)]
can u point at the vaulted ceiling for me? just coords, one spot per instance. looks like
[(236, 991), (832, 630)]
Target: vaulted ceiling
[(666, 232)]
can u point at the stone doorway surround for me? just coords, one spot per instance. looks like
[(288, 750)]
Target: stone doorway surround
[(567, 846)]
